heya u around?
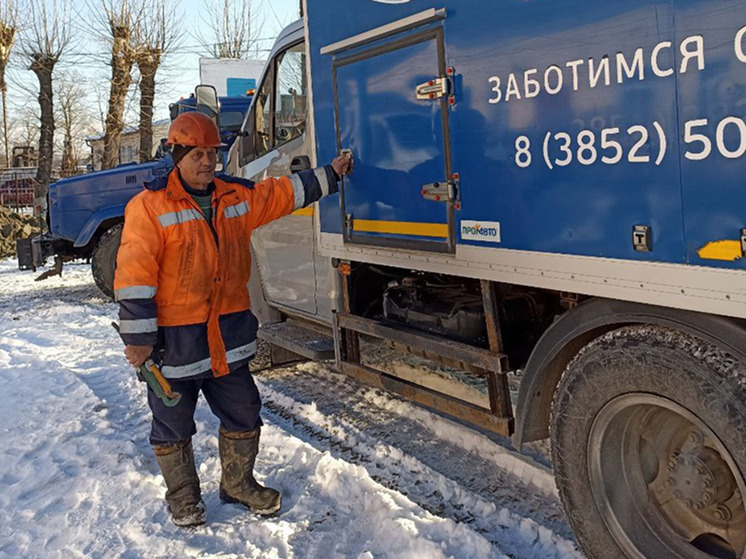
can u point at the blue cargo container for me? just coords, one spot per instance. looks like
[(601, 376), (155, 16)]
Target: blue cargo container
[(593, 130)]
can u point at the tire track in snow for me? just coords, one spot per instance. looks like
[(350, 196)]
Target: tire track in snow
[(411, 457)]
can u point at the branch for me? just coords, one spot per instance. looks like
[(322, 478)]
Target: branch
[(233, 25), (47, 36)]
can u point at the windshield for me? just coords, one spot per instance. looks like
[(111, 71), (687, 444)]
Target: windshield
[(231, 121)]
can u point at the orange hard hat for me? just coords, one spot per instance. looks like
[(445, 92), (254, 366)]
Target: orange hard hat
[(194, 129)]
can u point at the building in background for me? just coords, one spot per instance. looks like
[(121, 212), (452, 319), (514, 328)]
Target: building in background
[(129, 143)]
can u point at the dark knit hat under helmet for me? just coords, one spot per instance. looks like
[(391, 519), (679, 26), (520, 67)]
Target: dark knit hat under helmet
[(178, 152)]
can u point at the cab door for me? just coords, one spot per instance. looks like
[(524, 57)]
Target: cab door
[(276, 144), (392, 112)]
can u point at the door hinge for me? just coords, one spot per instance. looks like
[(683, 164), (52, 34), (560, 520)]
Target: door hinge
[(437, 88), (446, 191)]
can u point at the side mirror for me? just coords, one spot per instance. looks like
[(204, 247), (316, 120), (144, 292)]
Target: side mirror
[(173, 110), (207, 102)]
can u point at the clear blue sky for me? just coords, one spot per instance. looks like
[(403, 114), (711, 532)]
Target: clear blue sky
[(177, 77)]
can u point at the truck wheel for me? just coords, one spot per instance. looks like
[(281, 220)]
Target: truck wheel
[(104, 260), (648, 430)]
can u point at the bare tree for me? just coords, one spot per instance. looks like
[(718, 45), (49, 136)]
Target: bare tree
[(43, 43), (157, 33), (8, 29), (100, 91), (233, 26), (74, 119), (24, 125), (116, 24)]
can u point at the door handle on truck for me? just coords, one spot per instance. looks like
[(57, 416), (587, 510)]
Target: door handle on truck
[(347, 152), (300, 163)]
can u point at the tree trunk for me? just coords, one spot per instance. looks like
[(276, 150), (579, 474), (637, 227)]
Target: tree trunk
[(68, 158), (6, 140), (147, 97), (7, 34), (121, 78), (46, 134)]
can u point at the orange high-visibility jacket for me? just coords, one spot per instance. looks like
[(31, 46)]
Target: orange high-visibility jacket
[(184, 291)]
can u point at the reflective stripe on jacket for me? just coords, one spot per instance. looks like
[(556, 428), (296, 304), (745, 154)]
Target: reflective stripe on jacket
[(186, 293)]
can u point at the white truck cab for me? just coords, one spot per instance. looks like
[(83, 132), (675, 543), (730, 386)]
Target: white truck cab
[(275, 141)]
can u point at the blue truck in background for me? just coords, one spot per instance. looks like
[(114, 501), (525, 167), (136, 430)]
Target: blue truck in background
[(85, 213), (550, 192)]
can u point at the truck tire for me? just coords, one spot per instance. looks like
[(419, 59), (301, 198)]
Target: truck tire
[(648, 429), (104, 260)]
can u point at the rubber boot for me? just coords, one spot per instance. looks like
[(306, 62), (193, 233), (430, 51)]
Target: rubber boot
[(182, 483), (238, 450)]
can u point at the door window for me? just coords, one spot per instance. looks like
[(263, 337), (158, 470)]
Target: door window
[(279, 112), (290, 95), (262, 118)]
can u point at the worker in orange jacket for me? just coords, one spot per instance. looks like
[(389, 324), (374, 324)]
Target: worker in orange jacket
[(182, 285)]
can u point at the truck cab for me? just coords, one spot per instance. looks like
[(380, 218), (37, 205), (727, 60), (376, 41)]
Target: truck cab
[(290, 277)]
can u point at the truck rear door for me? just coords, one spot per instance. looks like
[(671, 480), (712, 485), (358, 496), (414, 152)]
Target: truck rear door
[(391, 109)]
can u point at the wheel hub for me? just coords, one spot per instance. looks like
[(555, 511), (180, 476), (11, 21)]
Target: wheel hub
[(676, 476), (698, 476)]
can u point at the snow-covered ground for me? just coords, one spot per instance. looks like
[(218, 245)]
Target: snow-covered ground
[(363, 474)]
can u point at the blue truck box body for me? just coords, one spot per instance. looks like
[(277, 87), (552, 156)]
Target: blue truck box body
[(570, 124)]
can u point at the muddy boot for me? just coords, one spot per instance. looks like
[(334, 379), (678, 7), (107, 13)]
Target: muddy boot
[(238, 450), (182, 495)]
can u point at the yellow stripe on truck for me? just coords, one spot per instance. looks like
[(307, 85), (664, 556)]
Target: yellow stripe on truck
[(304, 211), (401, 228)]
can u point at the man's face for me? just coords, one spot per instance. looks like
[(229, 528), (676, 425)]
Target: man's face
[(198, 167)]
